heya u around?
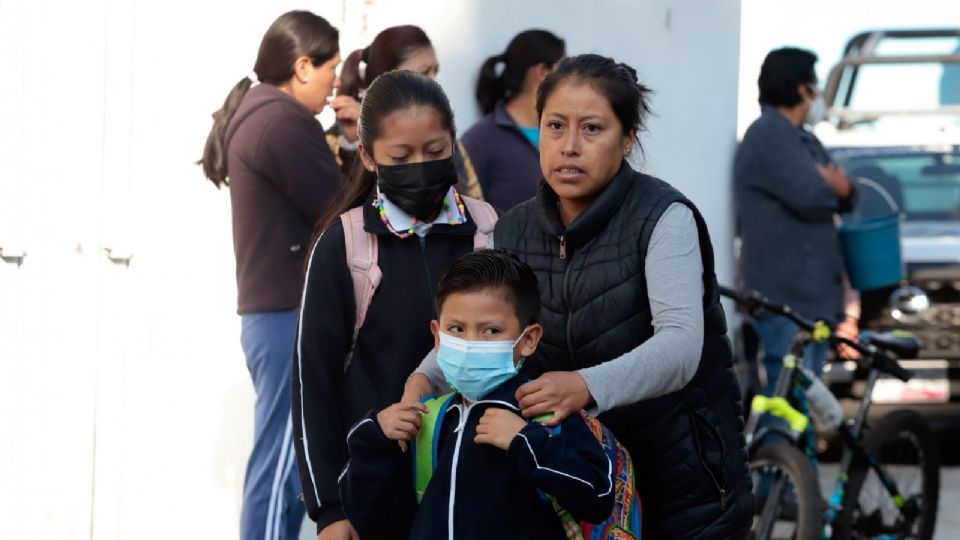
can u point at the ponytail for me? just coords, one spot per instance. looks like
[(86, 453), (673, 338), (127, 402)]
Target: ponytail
[(292, 35), (527, 49), (365, 59), (214, 160), (490, 87), (351, 78)]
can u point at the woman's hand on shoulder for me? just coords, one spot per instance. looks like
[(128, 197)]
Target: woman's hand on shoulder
[(559, 392)]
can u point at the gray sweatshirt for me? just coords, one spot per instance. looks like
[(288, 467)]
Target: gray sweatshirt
[(668, 360)]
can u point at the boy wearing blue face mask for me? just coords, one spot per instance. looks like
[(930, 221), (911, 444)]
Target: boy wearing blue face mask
[(494, 473)]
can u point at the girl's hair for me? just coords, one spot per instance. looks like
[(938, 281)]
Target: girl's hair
[(389, 49), (391, 92), (350, 82), (292, 35), (615, 81), (526, 49)]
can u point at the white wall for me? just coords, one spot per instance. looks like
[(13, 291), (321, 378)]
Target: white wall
[(125, 405)]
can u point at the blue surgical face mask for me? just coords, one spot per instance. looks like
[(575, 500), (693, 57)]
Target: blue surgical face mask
[(475, 368)]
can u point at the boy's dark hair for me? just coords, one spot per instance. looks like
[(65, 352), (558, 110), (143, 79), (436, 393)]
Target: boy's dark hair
[(494, 269), (782, 71)]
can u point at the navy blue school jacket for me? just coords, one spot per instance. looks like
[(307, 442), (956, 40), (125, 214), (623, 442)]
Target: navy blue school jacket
[(477, 491)]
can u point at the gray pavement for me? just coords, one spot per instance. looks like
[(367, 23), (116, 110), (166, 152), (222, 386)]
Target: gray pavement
[(948, 519)]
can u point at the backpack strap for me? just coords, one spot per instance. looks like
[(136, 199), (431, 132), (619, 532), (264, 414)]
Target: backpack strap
[(362, 256), (424, 449), (485, 217)]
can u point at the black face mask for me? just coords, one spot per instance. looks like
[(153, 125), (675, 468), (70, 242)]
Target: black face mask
[(418, 188)]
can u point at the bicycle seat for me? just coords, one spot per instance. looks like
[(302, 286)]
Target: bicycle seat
[(903, 344)]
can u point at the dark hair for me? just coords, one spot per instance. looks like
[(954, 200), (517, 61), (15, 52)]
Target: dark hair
[(350, 81), (782, 71), (615, 81), (526, 49), (292, 35), (494, 269), (390, 92), (389, 49)]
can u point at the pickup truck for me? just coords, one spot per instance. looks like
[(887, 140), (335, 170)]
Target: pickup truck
[(893, 122)]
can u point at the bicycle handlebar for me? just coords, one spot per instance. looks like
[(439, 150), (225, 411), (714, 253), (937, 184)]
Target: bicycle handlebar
[(753, 300)]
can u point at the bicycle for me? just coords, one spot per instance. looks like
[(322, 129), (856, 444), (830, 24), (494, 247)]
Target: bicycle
[(870, 498)]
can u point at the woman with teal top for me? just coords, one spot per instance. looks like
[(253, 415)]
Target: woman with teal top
[(504, 145)]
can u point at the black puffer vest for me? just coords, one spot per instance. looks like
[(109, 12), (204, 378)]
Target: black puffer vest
[(688, 446)]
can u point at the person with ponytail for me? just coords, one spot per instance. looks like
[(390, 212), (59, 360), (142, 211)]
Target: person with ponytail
[(268, 147), (404, 209), (504, 145), (406, 48)]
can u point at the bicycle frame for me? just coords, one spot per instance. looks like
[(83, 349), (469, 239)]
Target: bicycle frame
[(795, 412), (790, 404)]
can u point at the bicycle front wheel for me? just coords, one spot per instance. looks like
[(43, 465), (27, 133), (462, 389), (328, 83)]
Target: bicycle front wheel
[(787, 494), (904, 445)]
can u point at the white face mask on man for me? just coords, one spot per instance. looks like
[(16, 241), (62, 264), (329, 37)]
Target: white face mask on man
[(818, 110)]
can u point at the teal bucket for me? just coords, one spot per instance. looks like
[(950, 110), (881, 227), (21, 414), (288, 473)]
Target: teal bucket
[(871, 251)]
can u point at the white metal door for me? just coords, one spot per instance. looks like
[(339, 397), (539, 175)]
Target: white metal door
[(52, 63)]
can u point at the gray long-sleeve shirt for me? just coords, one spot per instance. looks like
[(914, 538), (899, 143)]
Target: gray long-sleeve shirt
[(673, 268)]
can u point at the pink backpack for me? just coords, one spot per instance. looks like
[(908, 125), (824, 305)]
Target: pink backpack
[(362, 255)]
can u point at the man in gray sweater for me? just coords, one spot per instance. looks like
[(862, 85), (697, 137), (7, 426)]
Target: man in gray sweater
[(788, 193)]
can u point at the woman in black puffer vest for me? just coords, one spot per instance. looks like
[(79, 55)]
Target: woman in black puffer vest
[(633, 328)]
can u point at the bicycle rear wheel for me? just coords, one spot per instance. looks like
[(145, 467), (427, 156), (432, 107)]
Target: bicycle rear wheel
[(787, 491), (906, 449)]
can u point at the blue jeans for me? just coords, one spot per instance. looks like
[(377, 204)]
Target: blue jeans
[(271, 509), (776, 333)]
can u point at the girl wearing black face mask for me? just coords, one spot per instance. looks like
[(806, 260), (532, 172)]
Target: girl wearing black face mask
[(365, 327)]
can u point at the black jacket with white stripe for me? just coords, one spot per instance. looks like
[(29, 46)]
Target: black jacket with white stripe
[(477, 491), (395, 336)]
